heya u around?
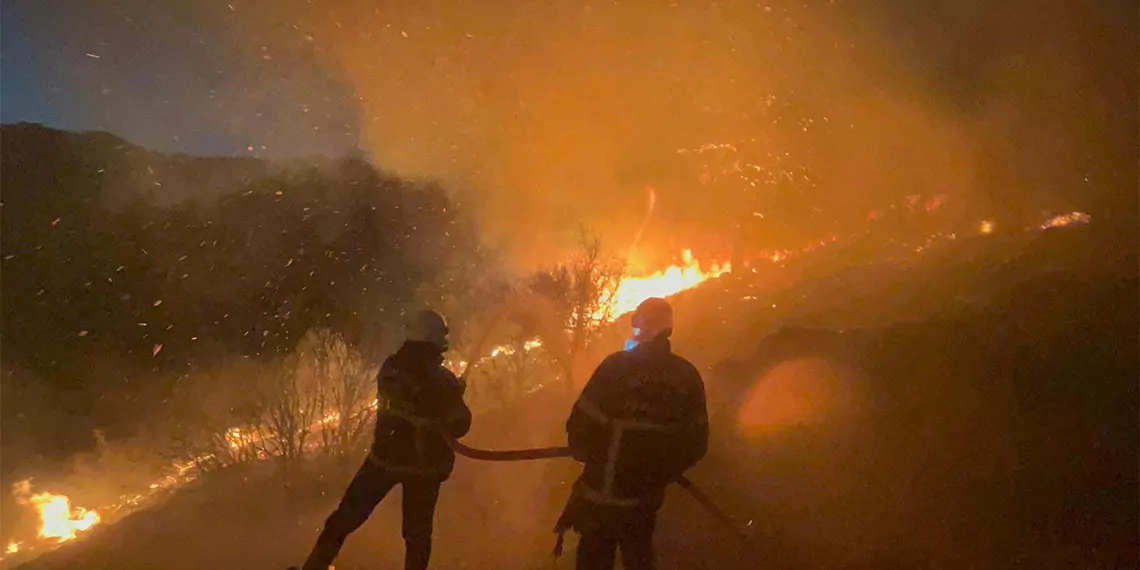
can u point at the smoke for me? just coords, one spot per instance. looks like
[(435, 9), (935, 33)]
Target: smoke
[(559, 114), (1047, 93), (552, 115)]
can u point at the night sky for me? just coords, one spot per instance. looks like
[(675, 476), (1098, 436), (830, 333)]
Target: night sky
[(173, 76)]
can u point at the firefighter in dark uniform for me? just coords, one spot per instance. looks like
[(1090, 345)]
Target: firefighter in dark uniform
[(639, 424), (418, 398)]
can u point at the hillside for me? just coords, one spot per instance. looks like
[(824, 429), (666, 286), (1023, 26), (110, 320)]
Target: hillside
[(101, 166), (995, 433)]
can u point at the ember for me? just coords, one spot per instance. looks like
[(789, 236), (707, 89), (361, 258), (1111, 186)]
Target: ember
[(1072, 218)]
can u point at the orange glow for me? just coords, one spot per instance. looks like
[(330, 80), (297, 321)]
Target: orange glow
[(459, 367), (793, 393), (58, 520), (1072, 218), (631, 291), (508, 350)]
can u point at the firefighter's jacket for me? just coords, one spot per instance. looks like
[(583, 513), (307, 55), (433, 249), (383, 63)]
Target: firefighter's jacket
[(417, 400), (640, 422)]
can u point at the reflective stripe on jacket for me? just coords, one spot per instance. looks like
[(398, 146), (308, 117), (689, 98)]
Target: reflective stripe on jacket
[(640, 422), (418, 398)]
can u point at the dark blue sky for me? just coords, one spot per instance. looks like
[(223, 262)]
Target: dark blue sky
[(171, 76)]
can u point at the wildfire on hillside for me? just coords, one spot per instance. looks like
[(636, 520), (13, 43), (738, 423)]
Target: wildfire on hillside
[(61, 522)]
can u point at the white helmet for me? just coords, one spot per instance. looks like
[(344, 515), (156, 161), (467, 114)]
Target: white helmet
[(652, 319), (427, 326)]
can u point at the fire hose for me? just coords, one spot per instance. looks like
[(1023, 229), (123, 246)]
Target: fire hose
[(554, 452)]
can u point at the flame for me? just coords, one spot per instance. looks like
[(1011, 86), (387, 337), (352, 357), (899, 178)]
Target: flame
[(507, 349), (62, 522), (778, 405), (459, 367), (1072, 218), (233, 438), (58, 520), (631, 291)]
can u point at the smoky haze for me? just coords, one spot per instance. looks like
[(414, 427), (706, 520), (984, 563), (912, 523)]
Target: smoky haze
[(537, 119), (558, 114)]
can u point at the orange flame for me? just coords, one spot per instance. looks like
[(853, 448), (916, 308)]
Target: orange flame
[(58, 520), (631, 291), (1072, 218)]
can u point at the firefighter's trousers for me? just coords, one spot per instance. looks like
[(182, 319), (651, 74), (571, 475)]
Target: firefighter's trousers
[(631, 534), (370, 485)]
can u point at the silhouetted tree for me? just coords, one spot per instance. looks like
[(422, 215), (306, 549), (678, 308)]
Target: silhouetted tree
[(579, 292), (345, 388)]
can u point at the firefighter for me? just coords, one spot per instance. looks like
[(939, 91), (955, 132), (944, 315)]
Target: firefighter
[(639, 423), (418, 399)]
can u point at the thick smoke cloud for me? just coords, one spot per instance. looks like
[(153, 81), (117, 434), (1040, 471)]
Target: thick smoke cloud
[(557, 114), (1048, 91), (550, 115)]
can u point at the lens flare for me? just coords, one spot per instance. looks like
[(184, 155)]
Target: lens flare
[(795, 393)]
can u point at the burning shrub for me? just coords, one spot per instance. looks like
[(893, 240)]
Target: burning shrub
[(217, 418), (319, 399), (291, 409), (343, 390), (581, 294)]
